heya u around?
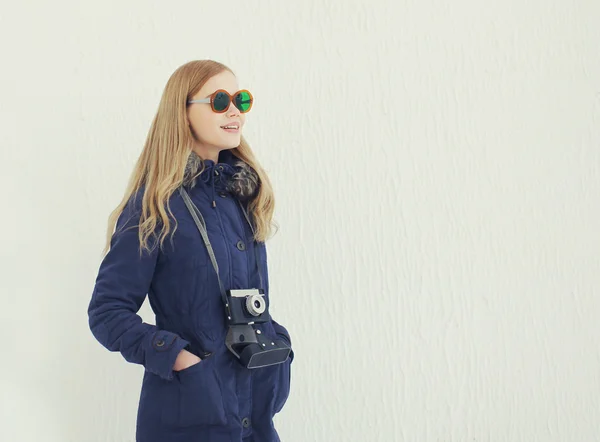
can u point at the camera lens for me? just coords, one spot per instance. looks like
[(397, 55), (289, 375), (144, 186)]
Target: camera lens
[(255, 304)]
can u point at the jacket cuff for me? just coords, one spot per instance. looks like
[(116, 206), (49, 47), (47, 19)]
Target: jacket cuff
[(165, 346)]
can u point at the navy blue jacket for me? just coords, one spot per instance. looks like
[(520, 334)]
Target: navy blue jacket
[(217, 399)]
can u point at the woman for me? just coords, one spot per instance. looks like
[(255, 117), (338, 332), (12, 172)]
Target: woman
[(194, 387)]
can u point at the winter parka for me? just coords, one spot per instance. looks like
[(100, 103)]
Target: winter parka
[(216, 399)]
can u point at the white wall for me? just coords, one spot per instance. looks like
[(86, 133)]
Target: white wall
[(436, 168)]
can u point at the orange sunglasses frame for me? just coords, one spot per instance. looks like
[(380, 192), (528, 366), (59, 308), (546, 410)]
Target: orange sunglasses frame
[(210, 100)]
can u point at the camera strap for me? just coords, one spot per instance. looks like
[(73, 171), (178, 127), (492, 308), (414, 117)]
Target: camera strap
[(201, 224)]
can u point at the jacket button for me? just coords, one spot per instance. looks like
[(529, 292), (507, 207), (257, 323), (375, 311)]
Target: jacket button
[(222, 194), (241, 245), (246, 422), (163, 341)]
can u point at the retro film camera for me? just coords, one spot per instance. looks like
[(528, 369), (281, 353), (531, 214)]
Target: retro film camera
[(245, 308)]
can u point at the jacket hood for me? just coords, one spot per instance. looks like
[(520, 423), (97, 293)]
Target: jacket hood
[(229, 174)]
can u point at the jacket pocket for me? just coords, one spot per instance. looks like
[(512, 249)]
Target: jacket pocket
[(194, 397), (283, 385)]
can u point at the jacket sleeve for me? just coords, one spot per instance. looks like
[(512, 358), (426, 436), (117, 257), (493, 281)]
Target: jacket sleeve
[(282, 331), (121, 287), (279, 329)]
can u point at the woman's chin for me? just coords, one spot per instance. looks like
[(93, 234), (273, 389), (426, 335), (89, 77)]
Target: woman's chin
[(231, 141)]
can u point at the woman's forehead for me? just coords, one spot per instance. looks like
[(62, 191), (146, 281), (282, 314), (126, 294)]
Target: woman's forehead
[(225, 80)]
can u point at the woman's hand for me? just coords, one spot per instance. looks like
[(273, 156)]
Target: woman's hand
[(185, 359)]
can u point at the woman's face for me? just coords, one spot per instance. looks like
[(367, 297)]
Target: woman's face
[(206, 125)]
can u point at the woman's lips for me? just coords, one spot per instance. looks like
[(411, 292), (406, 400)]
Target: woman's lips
[(231, 131)]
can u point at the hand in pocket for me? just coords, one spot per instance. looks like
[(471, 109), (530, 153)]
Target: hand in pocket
[(185, 359)]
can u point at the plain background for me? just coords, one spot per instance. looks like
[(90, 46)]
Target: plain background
[(436, 169)]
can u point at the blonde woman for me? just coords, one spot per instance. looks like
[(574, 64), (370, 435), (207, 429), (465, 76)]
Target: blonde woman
[(190, 233)]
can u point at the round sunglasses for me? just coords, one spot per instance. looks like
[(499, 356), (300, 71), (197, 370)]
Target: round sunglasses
[(220, 100)]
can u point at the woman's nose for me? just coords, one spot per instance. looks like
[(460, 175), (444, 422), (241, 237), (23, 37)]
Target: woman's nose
[(232, 109)]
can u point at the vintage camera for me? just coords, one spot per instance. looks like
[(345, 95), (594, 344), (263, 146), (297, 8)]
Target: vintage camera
[(245, 308)]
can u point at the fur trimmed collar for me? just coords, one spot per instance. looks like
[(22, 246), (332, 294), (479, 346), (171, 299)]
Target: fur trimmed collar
[(230, 174)]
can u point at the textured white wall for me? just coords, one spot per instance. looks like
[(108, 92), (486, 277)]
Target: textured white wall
[(436, 166)]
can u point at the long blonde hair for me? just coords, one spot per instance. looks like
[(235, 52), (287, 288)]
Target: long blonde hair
[(161, 165)]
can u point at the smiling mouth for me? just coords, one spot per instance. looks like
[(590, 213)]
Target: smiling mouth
[(230, 129)]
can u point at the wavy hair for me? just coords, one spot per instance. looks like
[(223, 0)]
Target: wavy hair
[(160, 168)]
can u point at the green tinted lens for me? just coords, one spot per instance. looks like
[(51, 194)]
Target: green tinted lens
[(243, 101), (221, 101)]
